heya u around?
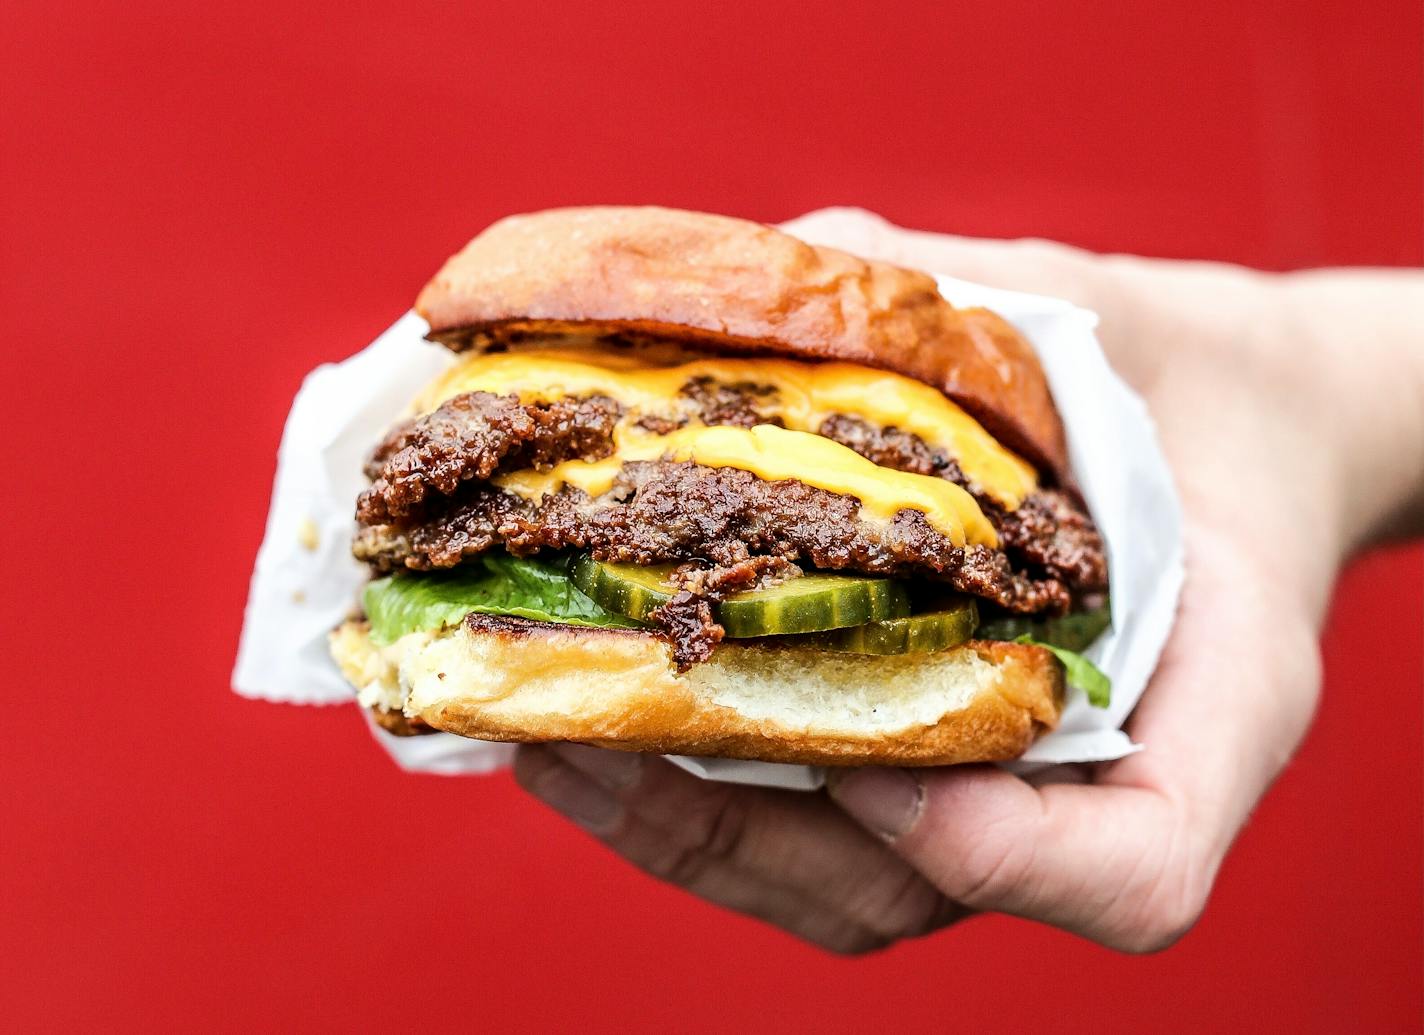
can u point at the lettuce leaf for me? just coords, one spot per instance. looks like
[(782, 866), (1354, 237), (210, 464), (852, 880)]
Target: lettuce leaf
[(497, 584), (1082, 673), (1074, 632)]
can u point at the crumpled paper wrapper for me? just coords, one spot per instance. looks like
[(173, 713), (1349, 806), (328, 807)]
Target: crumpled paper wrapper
[(306, 582)]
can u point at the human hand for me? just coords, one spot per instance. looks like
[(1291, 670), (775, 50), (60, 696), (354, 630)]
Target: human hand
[(1295, 435)]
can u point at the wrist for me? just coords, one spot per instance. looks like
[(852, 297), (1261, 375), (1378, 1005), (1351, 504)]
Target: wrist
[(1360, 340)]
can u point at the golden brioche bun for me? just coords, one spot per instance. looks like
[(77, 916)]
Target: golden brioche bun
[(509, 679)]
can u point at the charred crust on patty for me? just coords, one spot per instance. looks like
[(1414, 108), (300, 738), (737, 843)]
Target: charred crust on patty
[(474, 434)]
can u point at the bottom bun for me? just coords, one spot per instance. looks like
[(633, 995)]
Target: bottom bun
[(494, 678)]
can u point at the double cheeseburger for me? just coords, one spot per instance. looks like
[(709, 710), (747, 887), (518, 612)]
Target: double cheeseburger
[(693, 486)]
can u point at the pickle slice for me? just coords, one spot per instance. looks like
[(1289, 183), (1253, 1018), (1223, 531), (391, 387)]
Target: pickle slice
[(949, 626), (809, 603), (812, 603), (628, 589)]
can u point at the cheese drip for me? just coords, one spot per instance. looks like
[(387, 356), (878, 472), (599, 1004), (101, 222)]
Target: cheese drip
[(802, 395), (776, 454)]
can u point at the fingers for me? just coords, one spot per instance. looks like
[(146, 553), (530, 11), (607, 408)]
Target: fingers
[(1039, 266), (1107, 863), (787, 857), (1139, 300), (1233, 694)]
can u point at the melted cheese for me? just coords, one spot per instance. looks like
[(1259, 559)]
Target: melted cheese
[(776, 454), (801, 394)]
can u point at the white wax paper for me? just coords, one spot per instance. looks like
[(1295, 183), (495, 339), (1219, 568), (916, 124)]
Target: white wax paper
[(305, 581)]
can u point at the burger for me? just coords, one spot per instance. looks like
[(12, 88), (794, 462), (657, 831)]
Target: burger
[(693, 486)]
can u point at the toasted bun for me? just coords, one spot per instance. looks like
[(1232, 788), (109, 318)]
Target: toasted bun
[(731, 285), (515, 680)]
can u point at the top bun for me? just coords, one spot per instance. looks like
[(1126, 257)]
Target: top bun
[(730, 285)]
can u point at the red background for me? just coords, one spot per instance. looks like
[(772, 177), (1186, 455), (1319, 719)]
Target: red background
[(199, 207)]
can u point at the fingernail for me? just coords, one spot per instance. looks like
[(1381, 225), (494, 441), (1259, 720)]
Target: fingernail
[(618, 770), (885, 801), (579, 798)]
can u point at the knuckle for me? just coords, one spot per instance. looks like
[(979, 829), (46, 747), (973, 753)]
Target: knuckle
[(993, 870), (1162, 925), (859, 944), (678, 865), (1172, 906), (726, 825), (850, 939), (902, 904), (719, 837)]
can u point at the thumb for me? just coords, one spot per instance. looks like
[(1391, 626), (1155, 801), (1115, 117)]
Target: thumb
[(1108, 862)]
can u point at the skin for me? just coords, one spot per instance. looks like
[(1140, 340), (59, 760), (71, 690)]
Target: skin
[(1291, 409)]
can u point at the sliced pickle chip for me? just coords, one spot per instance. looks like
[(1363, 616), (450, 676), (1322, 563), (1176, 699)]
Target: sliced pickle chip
[(808, 603), (812, 603), (949, 626), (628, 589)]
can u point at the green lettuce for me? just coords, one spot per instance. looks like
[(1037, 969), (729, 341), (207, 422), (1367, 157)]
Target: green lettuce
[(1081, 672), (1064, 636), (1074, 632), (496, 584)]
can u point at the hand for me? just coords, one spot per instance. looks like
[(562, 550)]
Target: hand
[(1294, 424)]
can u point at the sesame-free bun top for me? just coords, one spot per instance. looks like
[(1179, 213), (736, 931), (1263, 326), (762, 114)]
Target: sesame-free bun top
[(730, 285)]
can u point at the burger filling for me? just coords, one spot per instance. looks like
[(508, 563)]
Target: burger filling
[(715, 484)]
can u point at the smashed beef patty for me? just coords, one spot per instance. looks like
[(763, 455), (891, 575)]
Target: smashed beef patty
[(422, 463), (664, 511), (1048, 531), (725, 519), (470, 437)]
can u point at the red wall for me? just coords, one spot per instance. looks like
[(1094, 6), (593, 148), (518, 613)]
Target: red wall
[(197, 208)]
